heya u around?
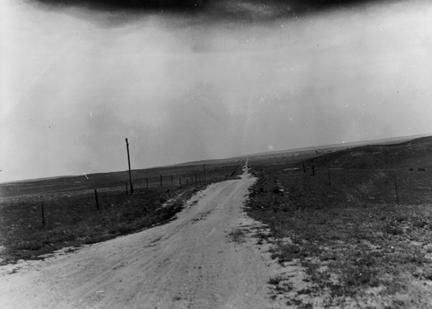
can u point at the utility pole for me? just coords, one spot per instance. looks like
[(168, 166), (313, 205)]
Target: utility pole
[(130, 173)]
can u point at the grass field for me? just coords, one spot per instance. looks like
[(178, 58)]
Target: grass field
[(360, 228), (72, 217), (355, 221)]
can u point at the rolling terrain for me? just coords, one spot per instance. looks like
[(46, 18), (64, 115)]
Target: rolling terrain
[(355, 223), (334, 227)]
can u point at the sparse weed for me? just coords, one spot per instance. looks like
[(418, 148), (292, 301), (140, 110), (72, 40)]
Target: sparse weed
[(237, 235), (350, 236)]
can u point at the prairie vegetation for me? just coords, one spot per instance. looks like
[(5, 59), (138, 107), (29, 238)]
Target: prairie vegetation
[(360, 228), (73, 218)]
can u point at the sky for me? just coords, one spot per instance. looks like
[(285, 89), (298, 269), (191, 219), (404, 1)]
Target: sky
[(233, 78)]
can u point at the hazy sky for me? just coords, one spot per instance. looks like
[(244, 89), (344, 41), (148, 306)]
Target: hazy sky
[(76, 82)]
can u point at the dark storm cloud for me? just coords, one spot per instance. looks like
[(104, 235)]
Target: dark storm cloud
[(174, 5), (215, 9)]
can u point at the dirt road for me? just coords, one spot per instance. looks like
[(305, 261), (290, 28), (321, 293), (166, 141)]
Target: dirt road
[(190, 262)]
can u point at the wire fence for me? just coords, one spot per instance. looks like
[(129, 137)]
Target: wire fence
[(326, 186)]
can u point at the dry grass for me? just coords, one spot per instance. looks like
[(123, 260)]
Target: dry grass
[(75, 221), (358, 246), (72, 218)]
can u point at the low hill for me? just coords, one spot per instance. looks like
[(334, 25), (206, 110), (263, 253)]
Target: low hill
[(413, 154)]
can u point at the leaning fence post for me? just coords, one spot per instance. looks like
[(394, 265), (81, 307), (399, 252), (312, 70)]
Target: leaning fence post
[(96, 199), (43, 214)]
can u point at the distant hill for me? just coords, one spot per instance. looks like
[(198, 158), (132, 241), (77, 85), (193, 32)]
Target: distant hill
[(324, 154), (414, 153)]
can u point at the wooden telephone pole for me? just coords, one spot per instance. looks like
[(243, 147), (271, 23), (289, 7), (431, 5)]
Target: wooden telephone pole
[(130, 172)]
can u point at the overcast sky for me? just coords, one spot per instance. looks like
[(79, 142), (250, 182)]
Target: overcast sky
[(75, 82)]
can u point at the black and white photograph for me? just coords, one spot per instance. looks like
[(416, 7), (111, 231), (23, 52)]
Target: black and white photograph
[(215, 154)]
